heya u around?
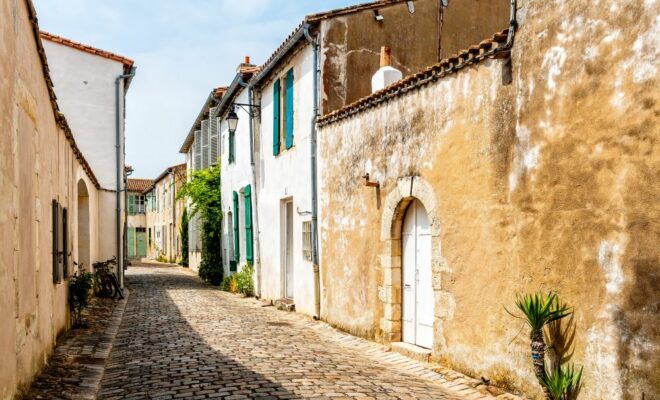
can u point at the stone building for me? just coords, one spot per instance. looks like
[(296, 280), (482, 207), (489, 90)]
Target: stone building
[(163, 214), (325, 64), (51, 202), (91, 86), (136, 231), (202, 148), (525, 163)]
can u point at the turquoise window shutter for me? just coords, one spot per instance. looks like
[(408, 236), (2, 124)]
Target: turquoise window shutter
[(248, 224), (237, 247), (289, 109), (276, 118), (131, 204)]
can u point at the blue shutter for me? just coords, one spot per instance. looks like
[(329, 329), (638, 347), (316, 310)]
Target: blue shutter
[(248, 224), (237, 246), (276, 118), (289, 109)]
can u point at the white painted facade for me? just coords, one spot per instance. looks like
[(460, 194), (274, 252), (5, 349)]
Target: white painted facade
[(85, 88), (235, 176), (286, 178)]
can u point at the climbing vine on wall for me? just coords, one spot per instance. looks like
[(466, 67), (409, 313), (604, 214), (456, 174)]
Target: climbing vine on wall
[(203, 192)]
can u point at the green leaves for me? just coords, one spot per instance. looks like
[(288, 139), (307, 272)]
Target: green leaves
[(203, 191), (563, 383), (539, 309)]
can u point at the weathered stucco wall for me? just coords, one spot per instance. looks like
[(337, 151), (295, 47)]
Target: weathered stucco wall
[(37, 165), (351, 48), (545, 183), (468, 22)]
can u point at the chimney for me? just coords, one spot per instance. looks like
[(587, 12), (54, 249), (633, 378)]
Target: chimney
[(245, 64), (386, 75)]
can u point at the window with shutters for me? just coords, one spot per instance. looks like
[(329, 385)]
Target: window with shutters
[(197, 151), (307, 240), (131, 204), (247, 193), (140, 204), (283, 110), (237, 243), (205, 144), (213, 139), (60, 244)]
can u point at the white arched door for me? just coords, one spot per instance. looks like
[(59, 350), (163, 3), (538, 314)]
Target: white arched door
[(417, 287)]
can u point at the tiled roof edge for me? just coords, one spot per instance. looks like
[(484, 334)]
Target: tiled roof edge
[(351, 9), (127, 62), (496, 47), (174, 168), (60, 119), (215, 95)]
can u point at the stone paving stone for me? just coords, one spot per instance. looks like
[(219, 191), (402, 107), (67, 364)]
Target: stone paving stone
[(182, 339)]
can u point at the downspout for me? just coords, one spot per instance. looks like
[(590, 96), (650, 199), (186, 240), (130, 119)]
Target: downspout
[(120, 168), (313, 159), (255, 208)]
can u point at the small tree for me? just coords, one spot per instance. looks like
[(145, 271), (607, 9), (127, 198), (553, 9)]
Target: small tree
[(203, 191), (184, 237), (80, 287)]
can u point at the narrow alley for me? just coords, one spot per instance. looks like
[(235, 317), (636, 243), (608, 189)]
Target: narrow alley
[(180, 338)]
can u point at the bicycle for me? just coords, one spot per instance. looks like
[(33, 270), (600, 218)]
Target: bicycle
[(106, 283)]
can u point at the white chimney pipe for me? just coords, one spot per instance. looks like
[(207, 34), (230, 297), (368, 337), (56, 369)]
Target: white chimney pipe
[(386, 75)]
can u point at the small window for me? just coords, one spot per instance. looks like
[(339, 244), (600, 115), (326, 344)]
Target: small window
[(307, 240)]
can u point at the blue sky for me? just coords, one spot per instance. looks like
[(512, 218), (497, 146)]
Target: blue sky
[(182, 49)]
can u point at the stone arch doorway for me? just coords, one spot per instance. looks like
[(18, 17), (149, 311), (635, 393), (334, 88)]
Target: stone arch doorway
[(83, 226), (415, 192)]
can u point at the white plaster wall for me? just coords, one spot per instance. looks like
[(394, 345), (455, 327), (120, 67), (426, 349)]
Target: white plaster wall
[(282, 177), (85, 88), (235, 177)]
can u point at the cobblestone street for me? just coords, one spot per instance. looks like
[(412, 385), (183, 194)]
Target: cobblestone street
[(182, 339)]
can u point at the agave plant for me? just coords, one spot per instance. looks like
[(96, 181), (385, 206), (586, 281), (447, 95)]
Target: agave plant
[(539, 310), (562, 383)]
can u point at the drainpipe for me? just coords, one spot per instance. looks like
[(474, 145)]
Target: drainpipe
[(313, 159), (255, 209), (120, 168)]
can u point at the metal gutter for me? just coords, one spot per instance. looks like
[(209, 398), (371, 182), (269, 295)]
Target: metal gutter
[(120, 168), (313, 162)]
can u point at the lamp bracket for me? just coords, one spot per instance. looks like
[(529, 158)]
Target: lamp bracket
[(251, 109)]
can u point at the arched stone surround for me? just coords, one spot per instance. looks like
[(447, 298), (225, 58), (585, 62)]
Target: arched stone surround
[(394, 210)]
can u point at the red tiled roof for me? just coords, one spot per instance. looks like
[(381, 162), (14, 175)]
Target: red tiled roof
[(59, 117), (128, 63), (496, 47), (138, 185)]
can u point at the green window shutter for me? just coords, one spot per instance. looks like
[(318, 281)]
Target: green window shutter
[(131, 204), (237, 247), (248, 224), (276, 118), (131, 242), (232, 148), (289, 109)]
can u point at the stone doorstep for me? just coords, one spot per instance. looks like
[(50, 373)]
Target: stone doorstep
[(411, 351)]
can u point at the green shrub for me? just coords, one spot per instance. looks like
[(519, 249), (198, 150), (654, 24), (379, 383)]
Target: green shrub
[(210, 268), (80, 287), (244, 282), (183, 231), (226, 283)]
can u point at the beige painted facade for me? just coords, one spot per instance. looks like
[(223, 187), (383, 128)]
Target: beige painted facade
[(537, 174), (39, 162), (163, 217)]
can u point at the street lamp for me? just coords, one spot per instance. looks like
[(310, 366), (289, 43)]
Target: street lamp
[(232, 121)]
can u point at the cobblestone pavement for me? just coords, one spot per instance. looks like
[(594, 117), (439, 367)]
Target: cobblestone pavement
[(182, 339)]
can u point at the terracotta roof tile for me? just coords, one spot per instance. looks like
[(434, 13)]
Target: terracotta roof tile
[(128, 63), (138, 185), (495, 47)]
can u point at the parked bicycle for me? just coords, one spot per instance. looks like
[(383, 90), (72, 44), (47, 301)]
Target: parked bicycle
[(106, 283)]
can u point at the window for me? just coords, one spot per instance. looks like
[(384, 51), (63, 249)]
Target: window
[(307, 240), (283, 112), (140, 202)]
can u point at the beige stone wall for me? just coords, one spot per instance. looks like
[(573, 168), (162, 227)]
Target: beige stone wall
[(37, 165), (545, 183)]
